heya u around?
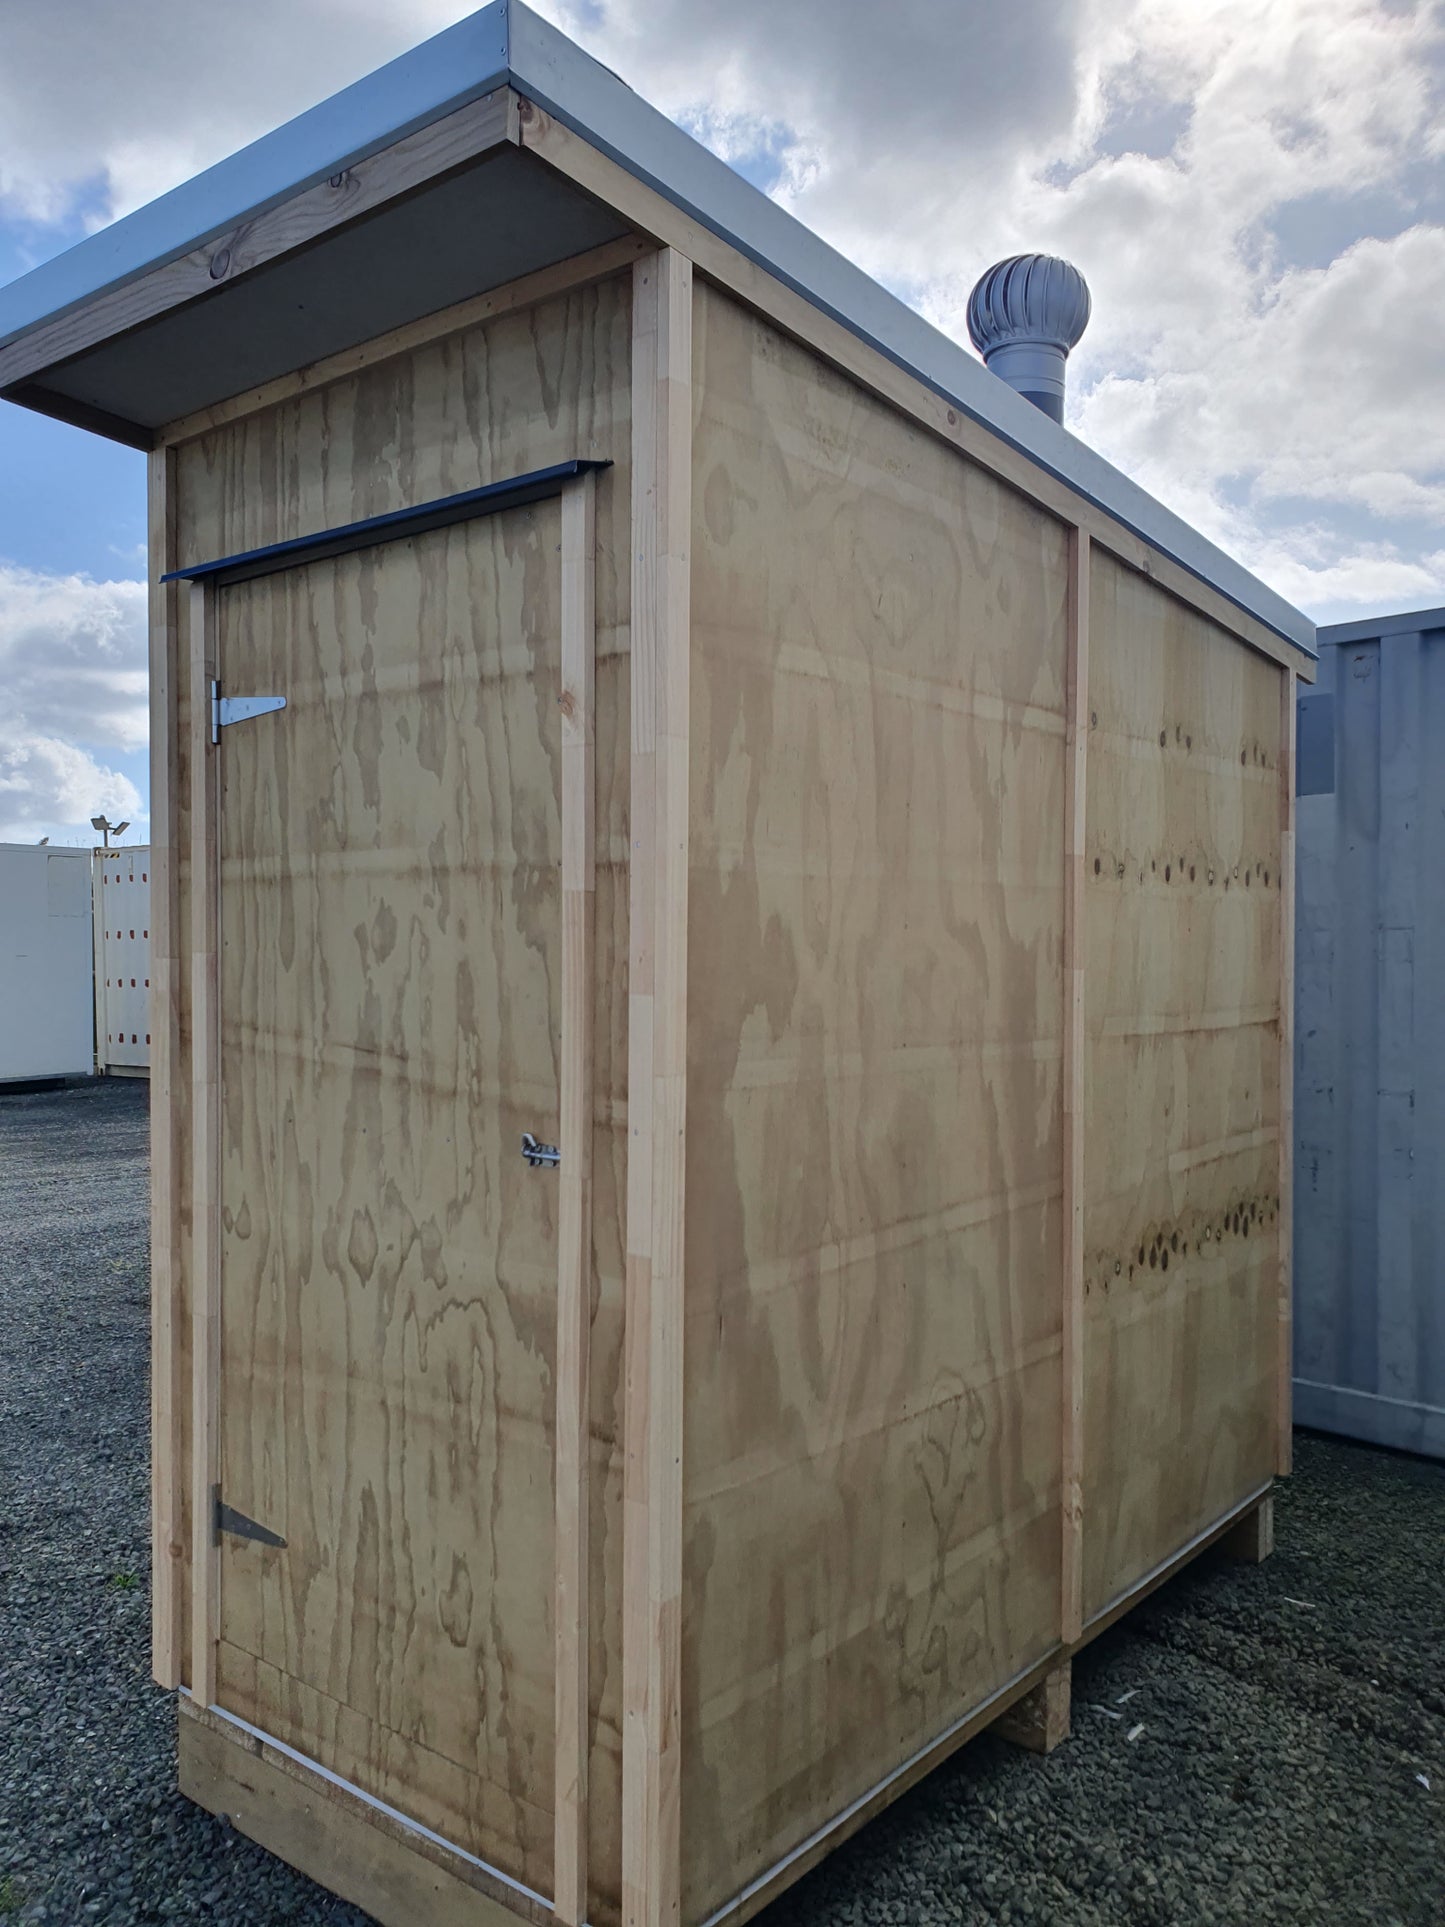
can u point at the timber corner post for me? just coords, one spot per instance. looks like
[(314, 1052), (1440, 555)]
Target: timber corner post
[(574, 1274), (1284, 1445), (657, 1089), (1076, 738), (205, 1151), (167, 947)]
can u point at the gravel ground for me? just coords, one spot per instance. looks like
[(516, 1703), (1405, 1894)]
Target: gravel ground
[(1288, 1712)]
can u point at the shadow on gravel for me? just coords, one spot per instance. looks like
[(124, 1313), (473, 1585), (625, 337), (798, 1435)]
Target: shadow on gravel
[(1248, 1746)]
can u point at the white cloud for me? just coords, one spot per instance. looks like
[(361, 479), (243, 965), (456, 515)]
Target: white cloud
[(1256, 194), (73, 656), (73, 676), (50, 787), (1247, 388), (140, 97)]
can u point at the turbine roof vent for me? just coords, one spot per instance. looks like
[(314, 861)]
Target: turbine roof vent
[(1024, 316)]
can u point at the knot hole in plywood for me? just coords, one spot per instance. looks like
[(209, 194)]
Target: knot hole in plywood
[(1173, 866), (1170, 1243)]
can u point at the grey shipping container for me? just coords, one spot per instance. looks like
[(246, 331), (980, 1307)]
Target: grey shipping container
[(1369, 1351)]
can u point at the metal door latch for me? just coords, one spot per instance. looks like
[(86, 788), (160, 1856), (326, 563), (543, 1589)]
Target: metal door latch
[(238, 709), (536, 1153)]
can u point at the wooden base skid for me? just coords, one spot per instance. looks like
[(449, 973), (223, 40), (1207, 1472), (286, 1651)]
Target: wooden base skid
[(1251, 1539), (405, 1877), (335, 1837), (1040, 1720)]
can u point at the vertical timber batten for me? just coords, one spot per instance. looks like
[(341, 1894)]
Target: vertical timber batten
[(574, 1280), (205, 1153), (166, 1513), (1284, 1447), (1071, 1484), (657, 1089)]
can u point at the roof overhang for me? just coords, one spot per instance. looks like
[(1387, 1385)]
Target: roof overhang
[(417, 188)]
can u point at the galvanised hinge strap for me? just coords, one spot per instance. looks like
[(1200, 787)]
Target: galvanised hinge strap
[(226, 710), (239, 1526)]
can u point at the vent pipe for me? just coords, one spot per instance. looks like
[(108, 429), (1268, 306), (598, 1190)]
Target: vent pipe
[(1024, 315)]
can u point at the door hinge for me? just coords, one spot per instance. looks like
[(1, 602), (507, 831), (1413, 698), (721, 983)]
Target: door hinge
[(226, 710), (227, 1519)]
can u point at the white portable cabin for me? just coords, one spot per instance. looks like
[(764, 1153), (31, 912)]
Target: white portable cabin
[(122, 915), (46, 1007)]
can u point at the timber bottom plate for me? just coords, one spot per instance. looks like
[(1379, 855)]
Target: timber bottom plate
[(405, 1877), (334, 1836)]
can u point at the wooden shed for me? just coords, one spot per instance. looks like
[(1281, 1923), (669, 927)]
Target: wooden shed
[(734, 745)]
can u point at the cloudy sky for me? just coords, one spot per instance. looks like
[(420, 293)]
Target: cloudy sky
[(1255, 192)]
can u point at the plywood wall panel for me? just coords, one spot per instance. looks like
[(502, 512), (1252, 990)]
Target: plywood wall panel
[(509, 395), (1182, 999), (513, 394), (872, 1532)]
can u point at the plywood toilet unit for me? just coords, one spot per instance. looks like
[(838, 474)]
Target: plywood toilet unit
[(733, 739)]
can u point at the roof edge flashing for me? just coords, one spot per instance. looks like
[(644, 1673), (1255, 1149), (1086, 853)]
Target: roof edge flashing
[(413, 91)]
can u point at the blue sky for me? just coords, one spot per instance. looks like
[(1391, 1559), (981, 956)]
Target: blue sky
[(1257, 197), (68, 501), (70, 505)]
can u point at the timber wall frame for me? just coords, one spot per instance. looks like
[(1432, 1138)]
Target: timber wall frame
[(662, 259)]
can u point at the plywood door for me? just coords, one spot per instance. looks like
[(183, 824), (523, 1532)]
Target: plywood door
[(390, 930)]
